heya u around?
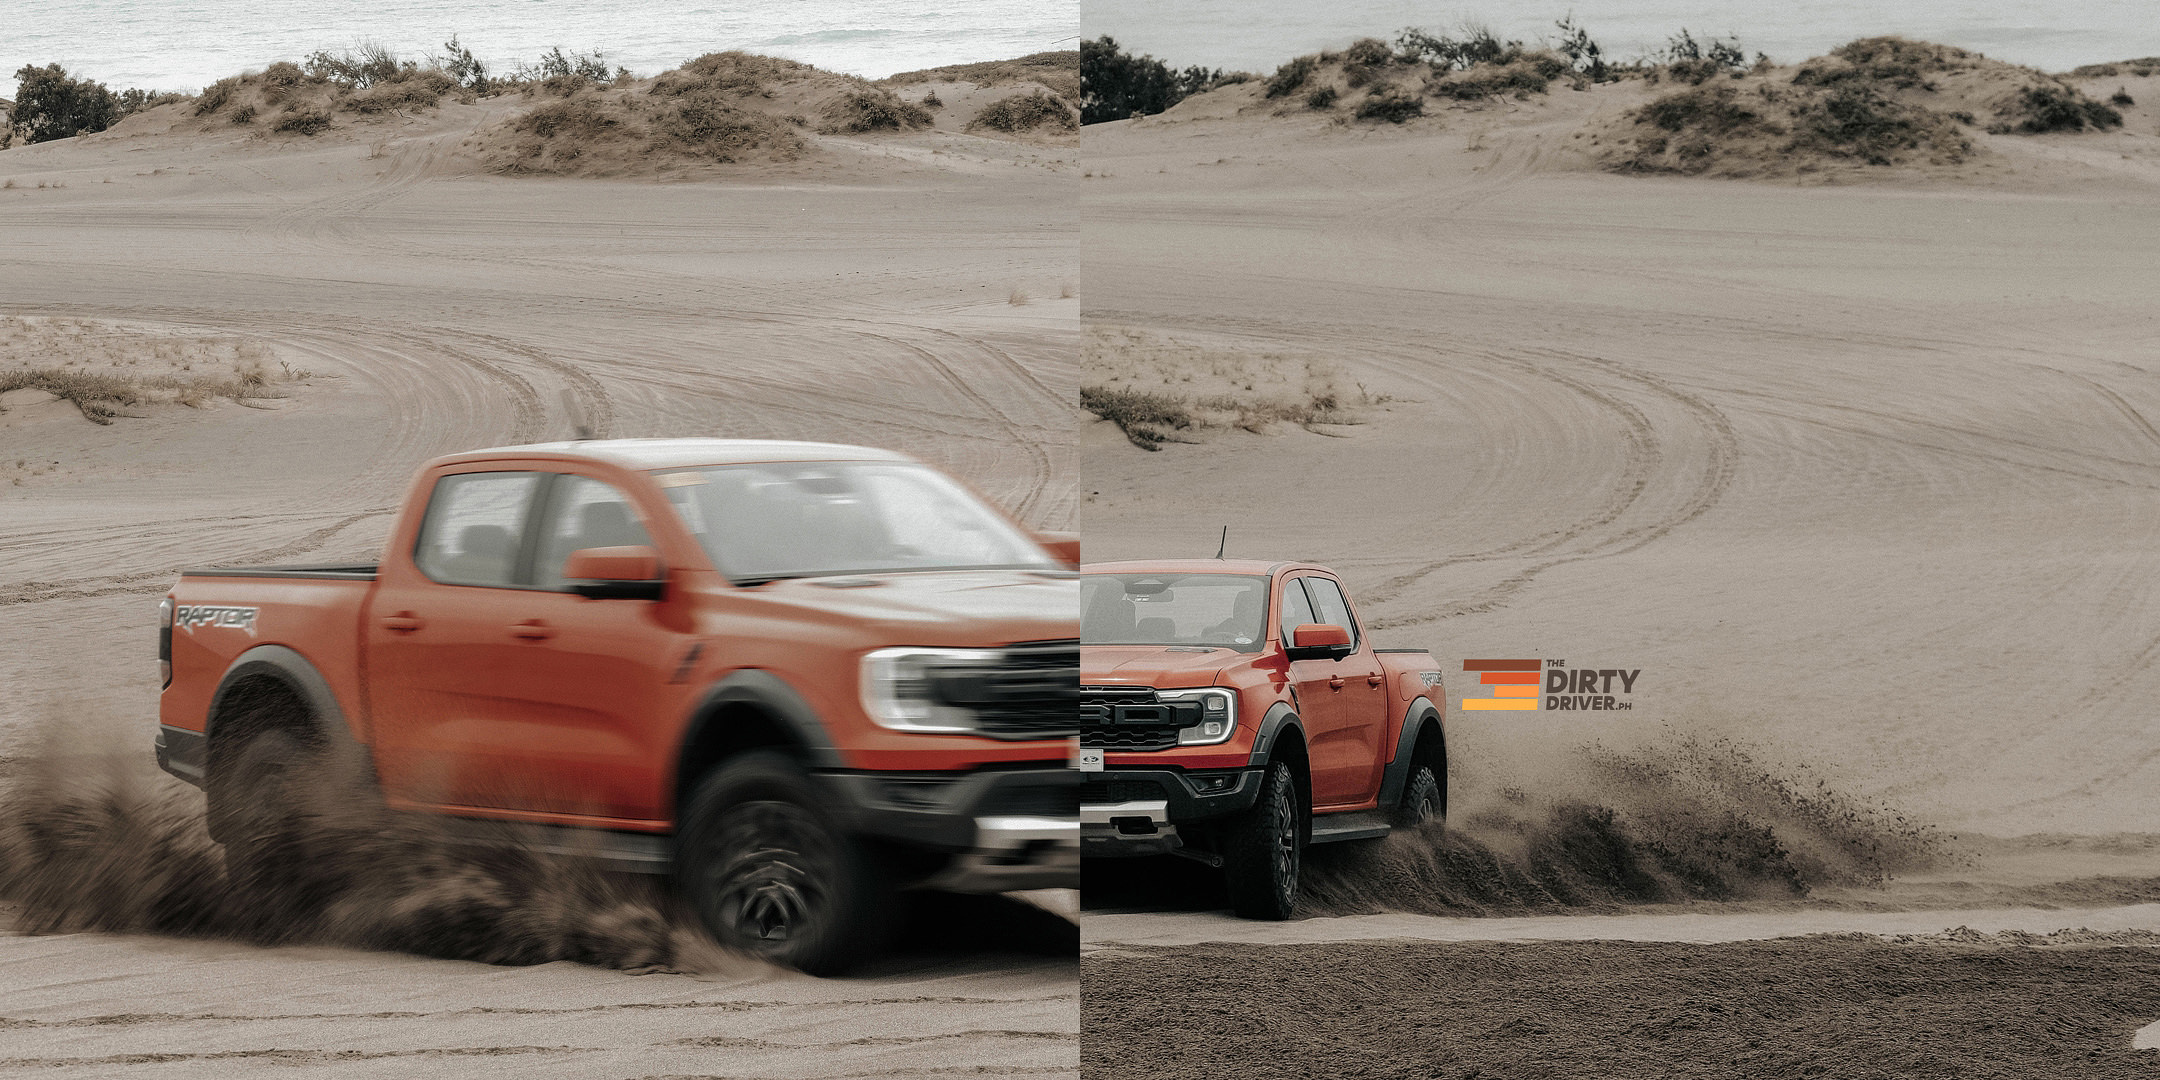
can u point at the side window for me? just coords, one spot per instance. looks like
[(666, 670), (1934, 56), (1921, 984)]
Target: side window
[(1329, 604), (583, 513), (474, 527), (1296, 610)]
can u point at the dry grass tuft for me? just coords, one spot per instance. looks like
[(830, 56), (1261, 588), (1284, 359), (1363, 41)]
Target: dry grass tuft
[(1152, 387), (102, 369), (869, 109), (734, 72), (1058, 71), (1142, 416), (1026, 112)]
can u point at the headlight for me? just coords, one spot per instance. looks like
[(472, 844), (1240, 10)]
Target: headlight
[(910, 689), (1218, 715)]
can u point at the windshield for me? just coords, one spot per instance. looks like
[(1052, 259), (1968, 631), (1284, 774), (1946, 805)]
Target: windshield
[(788, 519), (1223, 610)]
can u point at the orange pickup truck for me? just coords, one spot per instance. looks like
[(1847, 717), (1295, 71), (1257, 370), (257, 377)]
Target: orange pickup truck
[(1234, 712), (792, 676)]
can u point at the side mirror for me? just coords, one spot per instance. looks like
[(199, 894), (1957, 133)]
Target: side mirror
[(1318, 641), (615, 573), (1063, 546)]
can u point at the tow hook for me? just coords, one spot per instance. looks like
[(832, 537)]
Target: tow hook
[(1205, 858)]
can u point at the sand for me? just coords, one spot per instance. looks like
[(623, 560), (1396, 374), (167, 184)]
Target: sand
[(1866, 1009), (1857, 472), (864, 294), (1860, 474)]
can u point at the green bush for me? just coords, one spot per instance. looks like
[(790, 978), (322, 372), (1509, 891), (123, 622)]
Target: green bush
[(1115, 84), (50, 105), (1323, 98)]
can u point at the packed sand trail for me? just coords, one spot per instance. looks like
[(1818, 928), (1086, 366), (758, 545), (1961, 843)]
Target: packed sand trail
[(1858, 472), (908, 291)]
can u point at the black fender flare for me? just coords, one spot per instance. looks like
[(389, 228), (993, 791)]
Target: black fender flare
[(288, 666), (1398, 771), (1281, 717), (773, 695)]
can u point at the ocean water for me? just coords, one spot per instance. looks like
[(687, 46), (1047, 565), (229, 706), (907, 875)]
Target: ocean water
[(187, 44), (1258, 35)]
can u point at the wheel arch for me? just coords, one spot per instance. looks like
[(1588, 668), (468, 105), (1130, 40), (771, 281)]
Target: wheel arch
[(748, 710), (268, 687), (1422, 741)]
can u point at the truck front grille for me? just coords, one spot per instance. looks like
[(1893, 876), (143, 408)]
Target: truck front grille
[(1131, 719), (1026, 694)]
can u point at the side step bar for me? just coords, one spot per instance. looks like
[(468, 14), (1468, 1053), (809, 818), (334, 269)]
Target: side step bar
[(1358, 825)]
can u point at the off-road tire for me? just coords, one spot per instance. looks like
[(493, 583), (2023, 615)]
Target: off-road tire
[(771, 873), (1423, 799), (261, 798), (1262, 848)]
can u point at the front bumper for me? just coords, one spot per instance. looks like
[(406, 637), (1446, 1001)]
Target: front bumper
[(1006, 829), (1128, 812)]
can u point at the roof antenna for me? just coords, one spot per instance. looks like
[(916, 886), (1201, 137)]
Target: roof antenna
[(1225, 545), (580, 427)]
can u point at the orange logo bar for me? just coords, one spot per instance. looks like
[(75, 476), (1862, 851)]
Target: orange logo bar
[(1514, 683)]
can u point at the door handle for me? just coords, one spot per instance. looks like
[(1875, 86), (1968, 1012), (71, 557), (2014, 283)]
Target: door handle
[(404, 622), (1335, 683), (532, 630), (1374, 680)]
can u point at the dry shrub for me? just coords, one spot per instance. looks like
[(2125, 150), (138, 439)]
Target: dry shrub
[(2142, 67), (279, 80), (706, 124), (1142, 416), (1026, 112), (869, 109), (1393, 104), (2045, 107), (216, 96), (1365, 61), (1895, 61), (245, 114), (416, 90), (1856, 121), (736, 72), (583, 117), (1059, 71), (1528, 73), (303, 120), (1291, 77)]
